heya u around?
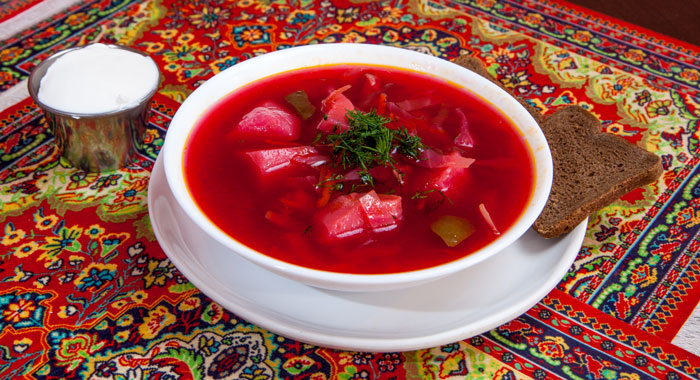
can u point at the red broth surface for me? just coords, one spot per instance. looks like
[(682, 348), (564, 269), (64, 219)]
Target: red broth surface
[(277, 213)]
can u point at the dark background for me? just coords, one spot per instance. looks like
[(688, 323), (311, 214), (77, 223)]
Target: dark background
[(675, 18)]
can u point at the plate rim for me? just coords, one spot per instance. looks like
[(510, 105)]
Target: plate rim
[(345, 342)]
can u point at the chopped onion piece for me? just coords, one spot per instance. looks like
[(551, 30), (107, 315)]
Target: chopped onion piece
[(487, 217), (432, 159), (464, 138), (398, 112), (352, 175), (418, 103)]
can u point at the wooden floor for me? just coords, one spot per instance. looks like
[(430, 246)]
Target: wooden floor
[(675, 18)]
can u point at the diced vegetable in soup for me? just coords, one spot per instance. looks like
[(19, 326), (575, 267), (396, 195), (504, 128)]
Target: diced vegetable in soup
[(358, 169)]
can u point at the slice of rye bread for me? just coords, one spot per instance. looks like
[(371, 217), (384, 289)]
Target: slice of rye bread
[(591, 168)]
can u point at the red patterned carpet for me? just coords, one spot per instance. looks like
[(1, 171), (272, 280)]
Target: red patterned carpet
[(86, 291)]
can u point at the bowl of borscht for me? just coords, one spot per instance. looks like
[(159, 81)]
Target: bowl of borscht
[(357, 167)]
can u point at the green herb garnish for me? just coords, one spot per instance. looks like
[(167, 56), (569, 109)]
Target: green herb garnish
[(369, 143), (333, 181), (424, 194)]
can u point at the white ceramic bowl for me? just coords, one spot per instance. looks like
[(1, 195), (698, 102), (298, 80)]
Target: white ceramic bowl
[(263, 66)]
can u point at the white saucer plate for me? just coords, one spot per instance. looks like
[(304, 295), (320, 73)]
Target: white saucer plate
[(447, 310)]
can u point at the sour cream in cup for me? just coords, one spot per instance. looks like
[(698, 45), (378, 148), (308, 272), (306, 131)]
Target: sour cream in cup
[(96, 98)]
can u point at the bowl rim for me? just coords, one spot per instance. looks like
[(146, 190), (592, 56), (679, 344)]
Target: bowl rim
[(44, 65), (285, 60)]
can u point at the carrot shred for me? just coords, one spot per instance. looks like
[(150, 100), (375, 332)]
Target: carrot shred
[(326, 187), (487, 217), (282, 220), (381, 106), (334, 94), (325, 197)]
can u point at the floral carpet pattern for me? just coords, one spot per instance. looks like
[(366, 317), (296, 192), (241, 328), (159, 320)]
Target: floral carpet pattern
[(86, 292), (10, 8)]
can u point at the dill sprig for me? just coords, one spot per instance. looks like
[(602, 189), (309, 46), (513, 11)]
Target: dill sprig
[(424, 194), (369, 143)]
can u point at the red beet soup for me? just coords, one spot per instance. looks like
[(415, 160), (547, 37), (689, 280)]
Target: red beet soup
[(358, 169)]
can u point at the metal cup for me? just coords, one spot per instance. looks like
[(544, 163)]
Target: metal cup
[(94, 142)]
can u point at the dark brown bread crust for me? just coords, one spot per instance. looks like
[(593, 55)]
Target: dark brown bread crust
[(591, 168)]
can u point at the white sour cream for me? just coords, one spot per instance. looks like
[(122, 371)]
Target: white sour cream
[(98, 79)]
